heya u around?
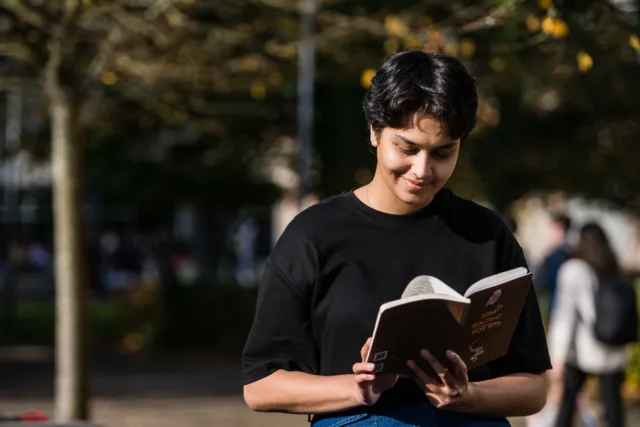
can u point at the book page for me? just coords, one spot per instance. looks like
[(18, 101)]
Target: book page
[(421, 297), (423, 285), (495, 280)]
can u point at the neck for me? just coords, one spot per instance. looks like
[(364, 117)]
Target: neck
[(381, 198)]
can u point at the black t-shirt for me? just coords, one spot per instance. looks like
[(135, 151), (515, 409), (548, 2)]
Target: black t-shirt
[(339, 260)]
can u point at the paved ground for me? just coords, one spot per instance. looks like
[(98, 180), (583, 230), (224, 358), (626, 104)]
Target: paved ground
[(132, 392), (149, 392)]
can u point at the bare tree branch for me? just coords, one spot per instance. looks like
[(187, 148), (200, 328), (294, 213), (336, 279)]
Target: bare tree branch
[(105, 53), (26, 14), (493, 19), (158, 8), (71, 11), (141, 26)]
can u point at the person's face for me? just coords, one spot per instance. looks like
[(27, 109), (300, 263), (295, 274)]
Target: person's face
[(415, 163), (558, 233)]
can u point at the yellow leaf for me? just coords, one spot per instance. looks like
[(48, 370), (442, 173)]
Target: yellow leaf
[(533, 23), (548, 24), (258, 91), (634, 41), (467, 47), (497, 64), (86, 2), (561, 29), (109, 78), (585, 62), (545, 4), (366, 77), (395, 26)]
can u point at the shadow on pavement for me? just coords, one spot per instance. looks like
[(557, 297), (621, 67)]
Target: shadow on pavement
[(116, 377)]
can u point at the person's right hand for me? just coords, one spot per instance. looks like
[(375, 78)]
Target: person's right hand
[(370, 385)]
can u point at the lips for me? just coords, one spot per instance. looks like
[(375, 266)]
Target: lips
[(415, 185)]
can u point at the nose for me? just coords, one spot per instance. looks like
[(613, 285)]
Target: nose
[(421, 167)]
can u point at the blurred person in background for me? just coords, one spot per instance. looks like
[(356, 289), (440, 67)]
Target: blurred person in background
[(547, 273), (576, 352), (339, 260), (545, 280)]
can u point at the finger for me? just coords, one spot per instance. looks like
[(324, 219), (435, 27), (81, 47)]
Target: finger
[(460, 368), (363, 378), (423, 379), (442, 372), (433, 399), (364, 351), (363, 368)]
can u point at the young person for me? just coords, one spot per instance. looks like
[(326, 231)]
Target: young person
[(547, 278), (575, 350), (340, 259)]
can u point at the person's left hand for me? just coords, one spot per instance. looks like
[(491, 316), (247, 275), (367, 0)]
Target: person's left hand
[(451, 389)]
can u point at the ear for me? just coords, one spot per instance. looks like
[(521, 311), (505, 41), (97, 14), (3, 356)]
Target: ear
[(373, 137)]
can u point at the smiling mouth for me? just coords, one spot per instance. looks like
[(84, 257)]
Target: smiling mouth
[(415, 184)]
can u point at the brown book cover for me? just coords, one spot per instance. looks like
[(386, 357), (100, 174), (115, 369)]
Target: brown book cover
[(478, 325)]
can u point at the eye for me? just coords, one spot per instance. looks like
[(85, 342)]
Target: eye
[(443, 154), (407, 150)]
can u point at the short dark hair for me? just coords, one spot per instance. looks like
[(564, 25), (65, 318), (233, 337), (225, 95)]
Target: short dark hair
[(563, 220), (416, 82)]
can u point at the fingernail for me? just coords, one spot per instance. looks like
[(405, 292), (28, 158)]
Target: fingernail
[(451, 354), (410, 363), (371, 366), (425, 353)]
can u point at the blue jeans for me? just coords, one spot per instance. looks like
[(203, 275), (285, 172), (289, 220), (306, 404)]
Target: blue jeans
[(414, 415)]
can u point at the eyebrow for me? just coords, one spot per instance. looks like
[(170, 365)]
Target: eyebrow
[(445, 146)]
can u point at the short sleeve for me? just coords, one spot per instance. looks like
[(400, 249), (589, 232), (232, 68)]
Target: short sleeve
[(281, 336), (528, 352)]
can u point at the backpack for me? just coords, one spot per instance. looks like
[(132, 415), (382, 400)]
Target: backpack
[(616, 307)]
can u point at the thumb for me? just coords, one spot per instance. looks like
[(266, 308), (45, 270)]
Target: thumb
[(365, 350)]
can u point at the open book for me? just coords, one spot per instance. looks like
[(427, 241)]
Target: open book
[(478, 325)]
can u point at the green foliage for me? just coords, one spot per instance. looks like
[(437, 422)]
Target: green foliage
[(633, 369), (558, 85), (201, 317)]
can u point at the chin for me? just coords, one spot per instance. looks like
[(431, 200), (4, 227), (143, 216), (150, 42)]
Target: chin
[(416, 199)]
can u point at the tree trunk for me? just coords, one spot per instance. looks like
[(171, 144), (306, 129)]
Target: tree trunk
[(71, 391)]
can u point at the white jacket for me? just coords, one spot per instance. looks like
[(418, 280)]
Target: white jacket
[(570, 328)]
